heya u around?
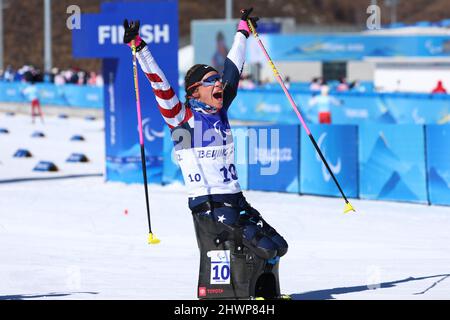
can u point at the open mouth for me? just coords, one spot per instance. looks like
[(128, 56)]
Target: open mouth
[(218, 95)]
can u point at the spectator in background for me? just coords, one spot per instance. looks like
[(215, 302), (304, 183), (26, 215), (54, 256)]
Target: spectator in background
[(26, 73), (315, 84), (356, 86), (53, 74), (323, 102), (31, 92), (246, 82), (439, 88), (92, 79), (67, 74), (73, 76), (29, 73), (287, 82), (99, 80), (59, 79), (398, 86), (265, 83), (9, 74), (82, 77), (343, 85)]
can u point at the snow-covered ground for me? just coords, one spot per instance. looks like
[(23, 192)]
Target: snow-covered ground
[(82, 238)]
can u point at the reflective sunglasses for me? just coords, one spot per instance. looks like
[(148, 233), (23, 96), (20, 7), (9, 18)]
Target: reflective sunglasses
[(208, 82), (211, 80)]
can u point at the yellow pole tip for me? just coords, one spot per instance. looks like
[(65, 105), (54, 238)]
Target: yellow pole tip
[(348, 208), (152, 239)]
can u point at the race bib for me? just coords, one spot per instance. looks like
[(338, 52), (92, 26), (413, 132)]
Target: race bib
[(220, 266), (209, 170)]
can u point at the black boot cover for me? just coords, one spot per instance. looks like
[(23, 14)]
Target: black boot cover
[(230, 269)]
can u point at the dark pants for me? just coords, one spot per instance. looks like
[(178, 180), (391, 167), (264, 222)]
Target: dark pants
[(237, 216)]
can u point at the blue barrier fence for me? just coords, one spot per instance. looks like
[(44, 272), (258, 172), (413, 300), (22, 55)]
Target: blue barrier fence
[(363, 86), (50, 94), (392, 162), (273, 158), (332, 141), (438, 163), (271, 106), (376, 161)]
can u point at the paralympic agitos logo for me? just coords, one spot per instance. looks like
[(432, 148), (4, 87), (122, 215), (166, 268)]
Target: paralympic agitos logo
[(149, 133), (335, 168)]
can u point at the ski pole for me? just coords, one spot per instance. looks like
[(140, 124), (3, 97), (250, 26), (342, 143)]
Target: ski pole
[(152, 239), (348, 206)]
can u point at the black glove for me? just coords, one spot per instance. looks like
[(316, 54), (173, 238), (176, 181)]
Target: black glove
[(244, 17), (132, 33)]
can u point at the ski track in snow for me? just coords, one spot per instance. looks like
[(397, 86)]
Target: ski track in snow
[(73, 239)]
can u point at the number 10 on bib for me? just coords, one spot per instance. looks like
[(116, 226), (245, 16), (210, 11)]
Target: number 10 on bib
[(220, 266)]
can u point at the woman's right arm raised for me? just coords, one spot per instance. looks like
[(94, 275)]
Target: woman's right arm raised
[(170, 107)]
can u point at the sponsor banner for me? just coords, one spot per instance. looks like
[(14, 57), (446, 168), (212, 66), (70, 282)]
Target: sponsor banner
[(83, 96), (12, 92), (292, 47), (338, 144), (392, 162), (273, 155), (438, 163), (50, 94), (128, 168), (71, 95), (416, 108)]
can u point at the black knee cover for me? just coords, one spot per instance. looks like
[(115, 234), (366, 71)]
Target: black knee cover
[(266, 230)]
